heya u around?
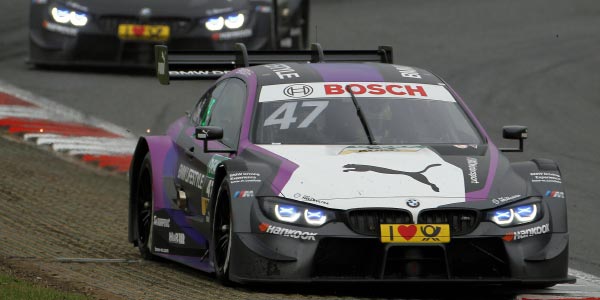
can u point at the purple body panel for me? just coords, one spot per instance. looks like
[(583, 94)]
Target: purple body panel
[(287, 167), (483, 193), (347, 72)]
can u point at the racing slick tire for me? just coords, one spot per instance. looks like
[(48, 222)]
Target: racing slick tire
[(144, 204), (222, 230)]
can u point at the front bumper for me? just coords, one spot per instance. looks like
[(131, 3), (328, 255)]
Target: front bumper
[(339, 254)]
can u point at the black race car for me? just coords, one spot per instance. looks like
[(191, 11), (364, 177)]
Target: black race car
[(293, 170), (113, 32)]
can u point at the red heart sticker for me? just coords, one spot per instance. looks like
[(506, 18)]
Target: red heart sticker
[(407, 232), (138, 30)]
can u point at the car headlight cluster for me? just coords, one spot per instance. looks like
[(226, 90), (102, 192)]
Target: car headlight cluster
[(233, 21), (291, 212), (516, 215), (68, 16)]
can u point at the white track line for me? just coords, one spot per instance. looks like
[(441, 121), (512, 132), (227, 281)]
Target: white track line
[(585, 276)]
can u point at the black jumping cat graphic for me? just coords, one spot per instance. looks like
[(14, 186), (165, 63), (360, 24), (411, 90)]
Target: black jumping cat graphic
[(418, 176)]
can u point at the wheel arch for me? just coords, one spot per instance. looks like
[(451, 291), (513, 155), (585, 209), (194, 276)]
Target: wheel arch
[(158, 147)]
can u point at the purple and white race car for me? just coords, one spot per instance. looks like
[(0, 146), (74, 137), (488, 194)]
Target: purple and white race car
[(290, 169)]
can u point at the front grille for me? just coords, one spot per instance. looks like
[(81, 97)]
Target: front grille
[(178, 25), (461, 221), (367, 221)]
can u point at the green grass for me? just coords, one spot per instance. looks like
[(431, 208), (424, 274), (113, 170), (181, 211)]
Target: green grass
[(15, 289)]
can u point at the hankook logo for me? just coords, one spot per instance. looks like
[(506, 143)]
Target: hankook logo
[(414, 203), (298, 91)]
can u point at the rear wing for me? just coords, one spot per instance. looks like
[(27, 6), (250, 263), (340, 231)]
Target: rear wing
[(191, 65)]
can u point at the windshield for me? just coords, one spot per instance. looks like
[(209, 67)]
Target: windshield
[(334, 120)]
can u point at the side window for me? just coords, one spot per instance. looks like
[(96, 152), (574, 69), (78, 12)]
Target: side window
[(228, 111), (204, 106)]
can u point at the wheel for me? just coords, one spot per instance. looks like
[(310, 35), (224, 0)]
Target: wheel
[(222, 228), (144, 209)]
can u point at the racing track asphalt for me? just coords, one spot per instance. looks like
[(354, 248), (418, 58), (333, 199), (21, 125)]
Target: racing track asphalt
[(532, 62)]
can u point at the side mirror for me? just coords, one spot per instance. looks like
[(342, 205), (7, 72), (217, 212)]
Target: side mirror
[(207, 133), (211, 133), (514, 132)]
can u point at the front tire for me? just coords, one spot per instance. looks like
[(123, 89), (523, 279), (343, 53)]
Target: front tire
[(222, 232), (145, 209)]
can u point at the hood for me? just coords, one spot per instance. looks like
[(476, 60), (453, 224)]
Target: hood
[(160, 8), (348, 177)]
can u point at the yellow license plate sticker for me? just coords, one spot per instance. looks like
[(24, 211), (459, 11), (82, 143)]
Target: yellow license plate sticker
[(144, 32), (415, 233)]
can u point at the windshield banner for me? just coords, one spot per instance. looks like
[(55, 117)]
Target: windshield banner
[(311, 90)]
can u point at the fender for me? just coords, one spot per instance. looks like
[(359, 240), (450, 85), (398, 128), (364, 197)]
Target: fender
[(158, 147), (556, 206)]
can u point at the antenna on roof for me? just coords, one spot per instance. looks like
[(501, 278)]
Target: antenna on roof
[(241, 55), (316, 53)]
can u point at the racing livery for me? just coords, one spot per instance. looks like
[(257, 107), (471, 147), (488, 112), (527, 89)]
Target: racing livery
[(123, 33), (343, 171)]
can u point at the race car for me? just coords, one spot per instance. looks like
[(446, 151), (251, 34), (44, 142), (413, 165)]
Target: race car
[(292, 169), (123, 33)]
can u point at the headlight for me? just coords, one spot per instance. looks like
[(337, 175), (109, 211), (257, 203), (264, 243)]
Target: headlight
[(215, 24), (234, 21), (65, 15), (516, 215), (292, 212)]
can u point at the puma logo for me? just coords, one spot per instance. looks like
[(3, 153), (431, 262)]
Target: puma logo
[(418, 176)]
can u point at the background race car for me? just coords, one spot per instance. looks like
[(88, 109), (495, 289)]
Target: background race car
[(124, 32), (341, 171)]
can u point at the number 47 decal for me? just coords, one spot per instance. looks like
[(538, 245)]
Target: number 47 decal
[(284, 115)]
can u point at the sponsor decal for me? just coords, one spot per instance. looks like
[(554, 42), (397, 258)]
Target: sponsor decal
[(545, 177), (307, 198), (243, 194), (363, 149), (414, 203), (320, 90), (472, 164), (415, 233), (231, 35), (377, 89), (244, 177), (554, 194), (60, 28), (217, 11), (283, 71), (525, 233), (296, 234), (407, 72), (161, 250), (418, 176), (197, 73), (190, 176), (76, 5), (501, 200), (161, 222), (177, 238), (298, 90)]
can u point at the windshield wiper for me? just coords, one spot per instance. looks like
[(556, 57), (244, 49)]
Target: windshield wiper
[(361, 116)]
